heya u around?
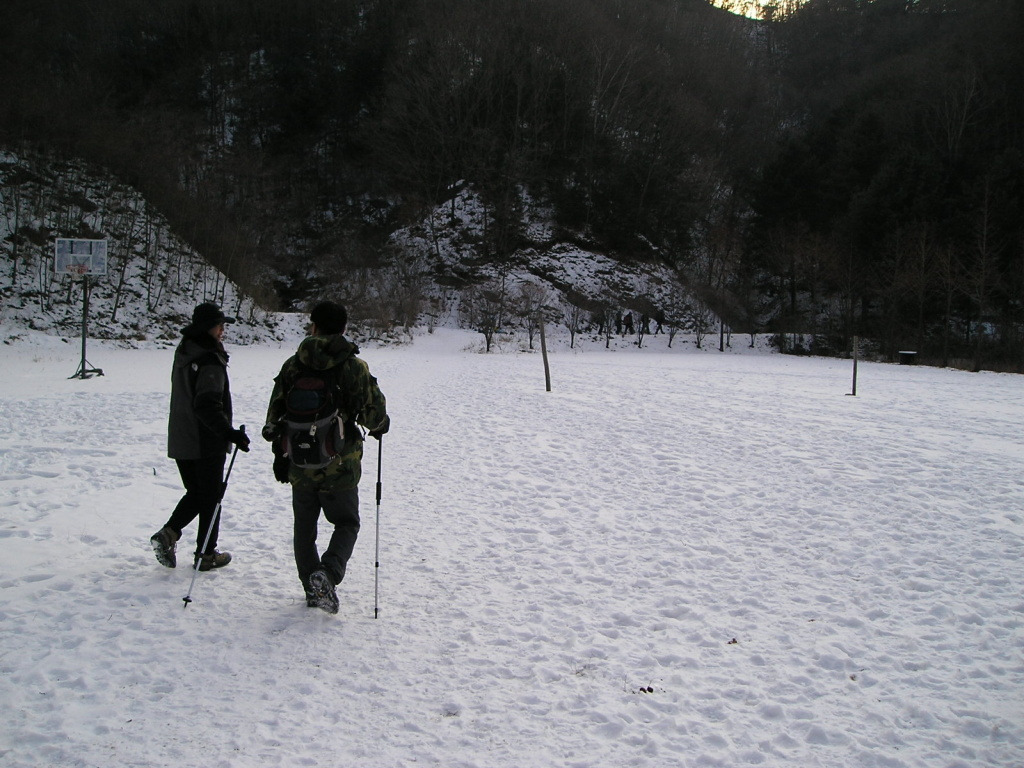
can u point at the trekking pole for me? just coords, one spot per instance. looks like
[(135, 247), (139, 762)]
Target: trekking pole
[(213, 521), (376, 560)]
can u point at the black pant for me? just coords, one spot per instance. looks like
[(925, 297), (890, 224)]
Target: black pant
[(341, 508), (203, 480)]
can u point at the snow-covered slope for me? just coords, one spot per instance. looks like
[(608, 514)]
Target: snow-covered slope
[(153, 278), (447, 246)]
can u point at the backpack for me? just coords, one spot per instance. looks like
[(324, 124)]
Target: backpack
[(314, 423)]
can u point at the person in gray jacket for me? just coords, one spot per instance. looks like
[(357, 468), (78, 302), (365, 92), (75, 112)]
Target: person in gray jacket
[(199, 435)]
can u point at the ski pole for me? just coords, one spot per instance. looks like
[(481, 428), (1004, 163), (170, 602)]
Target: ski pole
[(376, 560), (213, 521)]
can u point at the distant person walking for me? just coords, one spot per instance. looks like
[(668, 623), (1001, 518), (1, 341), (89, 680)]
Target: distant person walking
[(628, 323), (320, 395), (199, 435)]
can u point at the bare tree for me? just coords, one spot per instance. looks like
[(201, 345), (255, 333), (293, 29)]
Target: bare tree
[(572, 317), (12, 196), (984, 274), (481, 309), (531, 301), (703, 322), (950, 272)]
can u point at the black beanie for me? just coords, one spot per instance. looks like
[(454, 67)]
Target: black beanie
[(329, 317), (206, 316)]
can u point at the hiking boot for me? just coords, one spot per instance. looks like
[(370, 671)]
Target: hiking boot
[(164, 542), (320, 593), (214, 560)]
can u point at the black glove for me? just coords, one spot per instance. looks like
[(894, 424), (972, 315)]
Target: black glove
[(281, 466), (239, 438), (271, 432), (382, 429)]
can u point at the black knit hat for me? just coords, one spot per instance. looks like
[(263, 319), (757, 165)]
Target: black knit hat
[(206, 316), (329, 317)]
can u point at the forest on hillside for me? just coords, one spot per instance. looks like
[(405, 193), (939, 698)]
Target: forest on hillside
[(839, 168)]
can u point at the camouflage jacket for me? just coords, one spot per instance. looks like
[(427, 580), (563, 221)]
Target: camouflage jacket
[(364, 405)]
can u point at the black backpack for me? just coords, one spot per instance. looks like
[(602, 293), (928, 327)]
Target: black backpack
[(313, 419)]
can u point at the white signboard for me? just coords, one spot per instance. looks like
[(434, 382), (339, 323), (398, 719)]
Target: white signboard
[(80, 258)]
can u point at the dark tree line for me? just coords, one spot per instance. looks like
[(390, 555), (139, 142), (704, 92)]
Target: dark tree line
[(851, 167), (893, 208), (287, 130)]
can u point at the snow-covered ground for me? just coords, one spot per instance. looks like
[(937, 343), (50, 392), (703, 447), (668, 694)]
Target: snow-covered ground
[(674, 558)]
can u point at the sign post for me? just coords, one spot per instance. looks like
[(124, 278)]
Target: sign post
[(80, 260)]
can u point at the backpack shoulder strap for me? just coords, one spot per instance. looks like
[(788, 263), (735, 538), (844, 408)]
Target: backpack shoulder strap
[(333, 378)]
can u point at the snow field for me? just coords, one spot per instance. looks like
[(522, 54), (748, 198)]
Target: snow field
[(673, 559)]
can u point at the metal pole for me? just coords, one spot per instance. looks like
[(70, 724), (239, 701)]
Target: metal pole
[(85, 321), (84, 371), (376, 556), (213, 521)]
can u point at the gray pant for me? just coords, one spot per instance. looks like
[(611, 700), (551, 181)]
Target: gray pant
[(341, 508)]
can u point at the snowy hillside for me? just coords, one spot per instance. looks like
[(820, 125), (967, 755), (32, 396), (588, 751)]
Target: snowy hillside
[(672, 560), (571, 276), (440, 274), (153, 278)]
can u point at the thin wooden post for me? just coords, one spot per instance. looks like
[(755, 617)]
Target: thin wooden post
[(856, 345), (544, 354)]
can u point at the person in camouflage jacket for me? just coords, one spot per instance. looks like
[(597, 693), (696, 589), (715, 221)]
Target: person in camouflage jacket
[(332, 489)]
